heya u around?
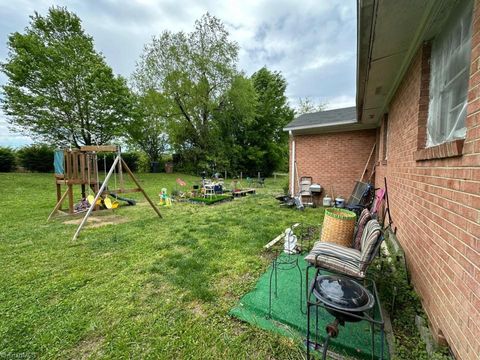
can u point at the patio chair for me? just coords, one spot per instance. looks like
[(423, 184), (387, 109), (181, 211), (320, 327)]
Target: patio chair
[(351, 263), (348, 261), (305, 183)]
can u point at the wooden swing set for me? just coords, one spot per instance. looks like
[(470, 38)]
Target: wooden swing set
[(75, 167)]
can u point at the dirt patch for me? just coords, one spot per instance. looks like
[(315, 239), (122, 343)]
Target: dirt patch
[(97, 221), (197, 309), (88, 347)]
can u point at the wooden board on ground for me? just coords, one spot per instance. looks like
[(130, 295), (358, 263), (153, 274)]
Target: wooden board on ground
[(243, 192), (278, 238)]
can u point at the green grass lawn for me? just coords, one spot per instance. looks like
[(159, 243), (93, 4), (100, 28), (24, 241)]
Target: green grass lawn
[(142, 288)]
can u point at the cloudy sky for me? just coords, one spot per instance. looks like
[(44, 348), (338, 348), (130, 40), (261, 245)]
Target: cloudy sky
[(312, 42)]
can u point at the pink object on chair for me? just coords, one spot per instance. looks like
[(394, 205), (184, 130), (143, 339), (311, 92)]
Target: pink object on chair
[(378, 200)]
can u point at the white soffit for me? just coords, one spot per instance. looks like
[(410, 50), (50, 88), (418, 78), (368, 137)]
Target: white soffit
[(394, 30)]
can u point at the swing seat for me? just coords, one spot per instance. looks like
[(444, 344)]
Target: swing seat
[(108, 203)]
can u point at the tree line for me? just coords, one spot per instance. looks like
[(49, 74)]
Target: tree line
[(186, 96)]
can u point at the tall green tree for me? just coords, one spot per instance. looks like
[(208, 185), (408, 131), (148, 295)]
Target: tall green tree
[(59, 89), (268, 143), (234, 124), (193, 71), (147, 128)]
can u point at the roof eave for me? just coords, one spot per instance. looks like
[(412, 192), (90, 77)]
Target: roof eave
[(352, 126), (384, 53), (304, 127)]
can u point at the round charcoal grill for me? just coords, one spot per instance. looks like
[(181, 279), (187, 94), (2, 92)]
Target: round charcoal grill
[(343, 298), (346, 295)]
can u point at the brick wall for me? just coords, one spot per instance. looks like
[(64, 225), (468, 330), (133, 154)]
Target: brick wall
[(435, 205), (335, 159)]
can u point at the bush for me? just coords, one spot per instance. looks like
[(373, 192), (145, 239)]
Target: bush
[(143, 164), (131, 158), (402, 303), (286, 187), (7, 159), (38, 158)]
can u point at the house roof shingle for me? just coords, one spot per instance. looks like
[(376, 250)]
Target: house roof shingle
[(324, 118)]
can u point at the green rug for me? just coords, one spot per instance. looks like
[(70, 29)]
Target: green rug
[(354, 339)]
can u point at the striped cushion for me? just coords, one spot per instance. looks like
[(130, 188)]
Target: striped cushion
[(370, 241), (336, 258), (364, 218)]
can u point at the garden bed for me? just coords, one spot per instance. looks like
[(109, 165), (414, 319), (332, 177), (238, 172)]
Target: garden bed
[(212, 199)]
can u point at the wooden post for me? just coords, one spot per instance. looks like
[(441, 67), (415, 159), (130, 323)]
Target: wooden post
[(140, 187), (58, 205), (59, 192), (68, 167), (82, 166), (75, 165), (70, 198)]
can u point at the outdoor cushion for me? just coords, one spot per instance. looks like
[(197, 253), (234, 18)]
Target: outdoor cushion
[(369, 244), (346, 260), (337, 258), (364, 218)]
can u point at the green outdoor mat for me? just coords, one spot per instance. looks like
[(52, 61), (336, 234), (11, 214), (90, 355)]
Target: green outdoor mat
[(354, 339)]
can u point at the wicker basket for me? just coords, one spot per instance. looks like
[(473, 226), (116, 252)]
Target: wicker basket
[(338, 226)]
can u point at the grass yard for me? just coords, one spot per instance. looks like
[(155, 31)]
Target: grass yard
[(142, 288)]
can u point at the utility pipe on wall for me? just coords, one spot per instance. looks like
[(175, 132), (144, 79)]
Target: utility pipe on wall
[(292, 175)]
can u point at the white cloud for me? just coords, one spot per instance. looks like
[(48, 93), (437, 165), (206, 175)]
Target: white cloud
[(312, 43)]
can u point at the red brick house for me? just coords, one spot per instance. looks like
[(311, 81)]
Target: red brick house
[(331, 147), (418, 97)]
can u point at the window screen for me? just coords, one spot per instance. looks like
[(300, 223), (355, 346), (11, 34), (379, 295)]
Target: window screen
[(449, 73)]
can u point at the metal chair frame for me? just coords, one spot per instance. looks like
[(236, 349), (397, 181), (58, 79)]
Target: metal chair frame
[(367, 317)]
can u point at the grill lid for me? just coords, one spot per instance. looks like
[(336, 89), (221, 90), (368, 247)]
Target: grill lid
[(342, 293)]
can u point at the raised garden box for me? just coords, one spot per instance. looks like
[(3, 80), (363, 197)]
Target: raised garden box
[(211, 199)]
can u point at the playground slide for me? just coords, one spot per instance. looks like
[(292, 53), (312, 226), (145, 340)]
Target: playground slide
[(129, 201)]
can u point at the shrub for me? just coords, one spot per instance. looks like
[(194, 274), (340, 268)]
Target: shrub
[(402, 303), (38, 158), (143, 164), (286, 187), (131, 158), (7, 159)]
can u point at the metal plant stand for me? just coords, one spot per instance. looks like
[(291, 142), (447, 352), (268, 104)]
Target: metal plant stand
[(316, 301), (284, 261)]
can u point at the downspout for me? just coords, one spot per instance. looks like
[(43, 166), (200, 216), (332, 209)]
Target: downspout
[(292, 166)]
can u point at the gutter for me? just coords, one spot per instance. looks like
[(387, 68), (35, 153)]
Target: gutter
[(305, 127), (292, 175), (370, 18)]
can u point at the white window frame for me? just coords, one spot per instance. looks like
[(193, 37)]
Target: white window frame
[(449, 75)]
